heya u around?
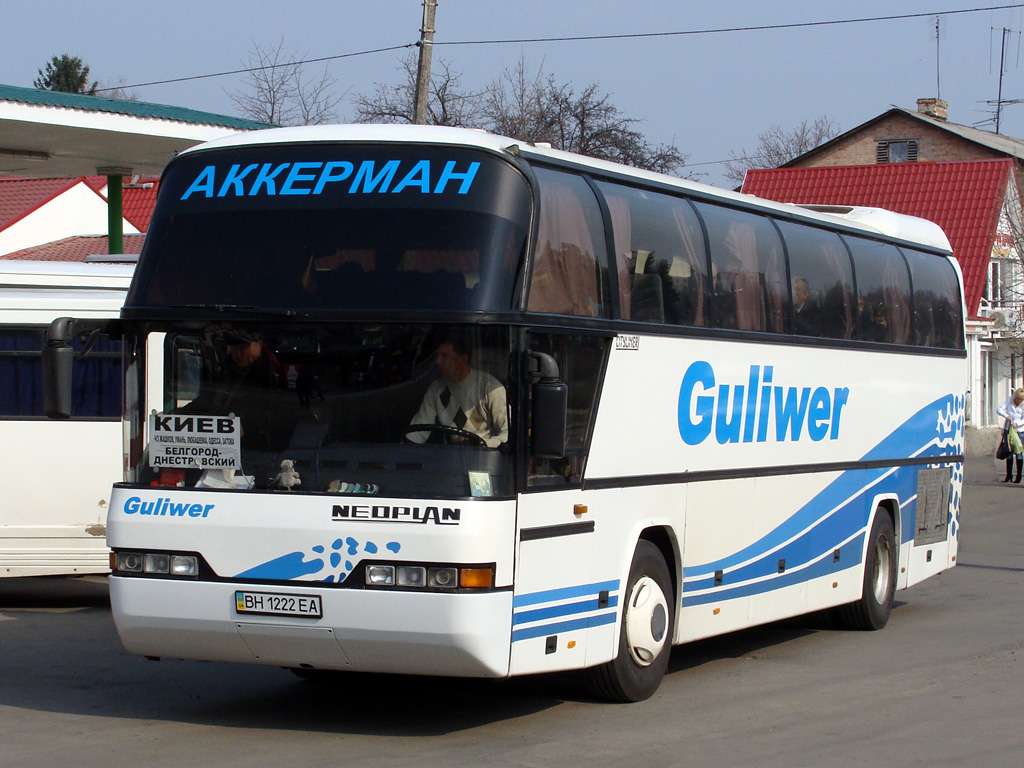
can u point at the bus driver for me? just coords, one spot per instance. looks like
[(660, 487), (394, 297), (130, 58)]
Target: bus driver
[(463, 397)]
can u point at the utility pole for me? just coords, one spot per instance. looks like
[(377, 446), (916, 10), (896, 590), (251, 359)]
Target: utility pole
[(423, 70), (999, 98)]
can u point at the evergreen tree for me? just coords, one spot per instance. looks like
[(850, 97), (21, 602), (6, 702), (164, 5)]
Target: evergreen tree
[(66, 74)]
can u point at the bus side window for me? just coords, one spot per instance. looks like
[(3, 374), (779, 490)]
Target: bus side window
[(96, 382), (580, 362), (822, 282), (883, 291), (748, 270), (937, 313), (570, 265), (661, 241)]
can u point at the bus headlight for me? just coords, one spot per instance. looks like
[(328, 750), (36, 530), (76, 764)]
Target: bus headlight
[(412, 576), (429, 577), (131, 562), (155, 564), (380, 575)]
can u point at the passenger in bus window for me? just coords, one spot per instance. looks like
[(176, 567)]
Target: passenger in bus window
[(805, 308), (470, 400)]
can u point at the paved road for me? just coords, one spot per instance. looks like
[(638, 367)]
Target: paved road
[(942, 685)]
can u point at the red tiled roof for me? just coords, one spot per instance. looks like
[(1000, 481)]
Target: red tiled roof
[(137, 199), (965, 199), (19, 197), (138, 202), (74, 248)]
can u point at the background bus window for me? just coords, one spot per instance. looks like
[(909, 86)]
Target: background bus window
[(883, 292), (821, 282), (660, 239), (748, 270), (570, 265), (580, 361), (937, 311), (96, 382)]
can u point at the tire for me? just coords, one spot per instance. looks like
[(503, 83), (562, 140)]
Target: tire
[(873, 609), (645, 634)]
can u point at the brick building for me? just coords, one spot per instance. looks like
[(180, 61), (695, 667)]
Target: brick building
[(966, 180)]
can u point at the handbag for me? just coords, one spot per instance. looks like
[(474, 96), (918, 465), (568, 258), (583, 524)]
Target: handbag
[(1003, 450)]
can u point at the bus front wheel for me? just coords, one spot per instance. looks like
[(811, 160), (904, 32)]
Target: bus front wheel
[(873, 609), (645, 635)]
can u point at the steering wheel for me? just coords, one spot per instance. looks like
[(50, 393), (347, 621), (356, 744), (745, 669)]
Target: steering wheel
[(447, 433)]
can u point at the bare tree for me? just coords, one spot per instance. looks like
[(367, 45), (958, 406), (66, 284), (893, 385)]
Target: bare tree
[(447, 102), (776, 146), (277, 91), (537, 108), (118, 90)]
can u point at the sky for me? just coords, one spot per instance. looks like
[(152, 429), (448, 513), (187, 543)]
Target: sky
[(711, 93)]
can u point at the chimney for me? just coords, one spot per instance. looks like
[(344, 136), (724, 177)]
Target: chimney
[(936, 108)]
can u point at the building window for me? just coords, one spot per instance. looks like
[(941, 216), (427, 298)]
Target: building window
[(897, 151)]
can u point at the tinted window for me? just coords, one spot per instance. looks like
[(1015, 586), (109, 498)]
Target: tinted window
[(883, 292), (661, 242), (937, 308), (336, 227), (570, 264), (822, 282), (96, 382), (748, 270)]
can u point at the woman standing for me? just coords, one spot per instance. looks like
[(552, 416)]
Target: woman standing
[(1012, 412)]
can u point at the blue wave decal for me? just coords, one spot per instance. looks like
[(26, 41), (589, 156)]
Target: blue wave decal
[(556, 618), (807, 540), (333, 568)]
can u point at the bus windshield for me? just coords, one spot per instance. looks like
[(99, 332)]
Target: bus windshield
[(376, 409), (321, 228)]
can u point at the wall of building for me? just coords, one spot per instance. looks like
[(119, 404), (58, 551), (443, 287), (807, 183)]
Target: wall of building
[(934, 144), (78, 211)]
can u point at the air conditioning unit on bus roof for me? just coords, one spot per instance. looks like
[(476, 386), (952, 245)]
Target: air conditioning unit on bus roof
[(887, 222)]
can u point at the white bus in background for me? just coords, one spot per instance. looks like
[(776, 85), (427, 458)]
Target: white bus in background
[(703, 411), (56, 475)]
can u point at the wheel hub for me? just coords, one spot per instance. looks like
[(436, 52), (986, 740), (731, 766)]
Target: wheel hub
[(646, 621)]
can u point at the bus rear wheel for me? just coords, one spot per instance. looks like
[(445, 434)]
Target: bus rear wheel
[(873, 609), (645, 635)]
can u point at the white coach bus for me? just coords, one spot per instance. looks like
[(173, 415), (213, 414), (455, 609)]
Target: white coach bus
[(57, 475), (431, 401)]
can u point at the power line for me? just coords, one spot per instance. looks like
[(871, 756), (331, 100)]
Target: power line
[(257, 69), (579, 38), (722, 30)]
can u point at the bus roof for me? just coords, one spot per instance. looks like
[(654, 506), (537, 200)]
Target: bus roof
[(869, 220), (63, 274)]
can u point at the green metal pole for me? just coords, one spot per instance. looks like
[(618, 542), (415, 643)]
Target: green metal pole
[(115, 215)]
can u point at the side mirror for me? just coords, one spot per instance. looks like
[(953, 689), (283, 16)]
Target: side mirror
[(58, 359), (550, 399)]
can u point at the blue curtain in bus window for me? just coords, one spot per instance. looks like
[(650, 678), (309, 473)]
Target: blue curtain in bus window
[(96, 383), (21, 389), (937, 309), (570, 265)]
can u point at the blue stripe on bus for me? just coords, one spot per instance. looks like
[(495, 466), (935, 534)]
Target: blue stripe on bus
[(805, 527), (563, 626), (563, 593), (820, 567), (567, 609)]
